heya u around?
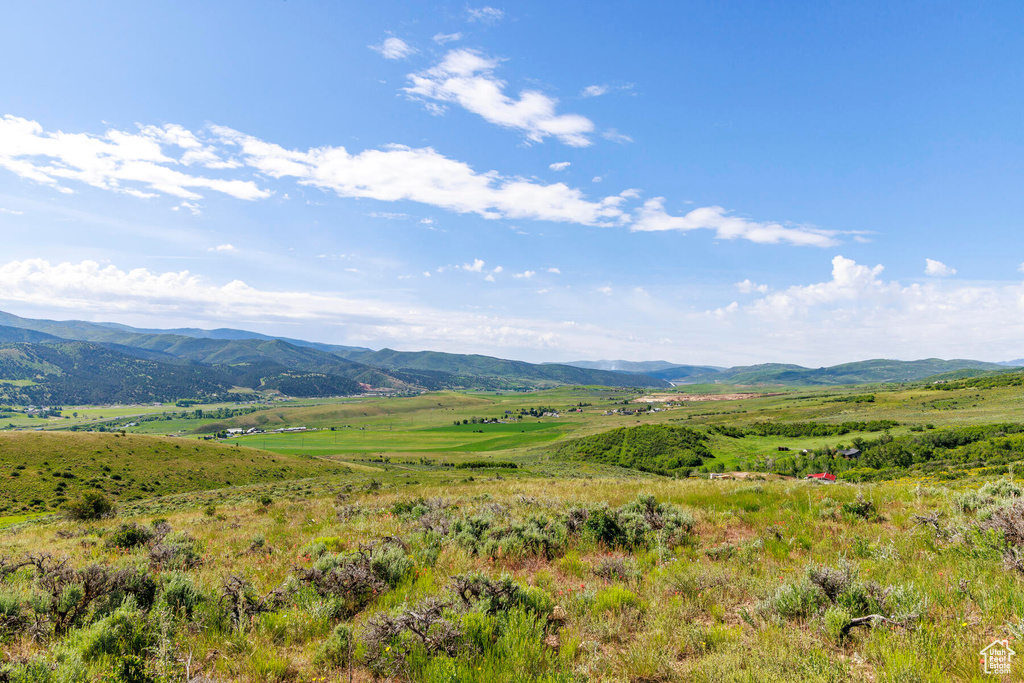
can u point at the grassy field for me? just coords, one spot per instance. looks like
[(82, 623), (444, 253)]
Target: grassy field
[(401, 546), (41, 470)]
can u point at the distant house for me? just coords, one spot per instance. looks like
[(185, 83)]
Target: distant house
[(849, 453), (822, 476)]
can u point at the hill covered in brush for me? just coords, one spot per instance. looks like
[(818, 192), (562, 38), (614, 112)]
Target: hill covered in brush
[(40, 470), (661, 449)]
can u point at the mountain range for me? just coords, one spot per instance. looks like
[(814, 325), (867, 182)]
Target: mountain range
[(48, 362)]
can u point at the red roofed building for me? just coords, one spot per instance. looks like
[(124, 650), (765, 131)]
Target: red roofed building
[(822, 476)]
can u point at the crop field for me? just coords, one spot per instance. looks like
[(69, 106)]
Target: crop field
[(387, 542)]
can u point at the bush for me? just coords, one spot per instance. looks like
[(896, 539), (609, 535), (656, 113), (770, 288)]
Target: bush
[(91, 505), (129, 536), (793, 601), (640, 523), (836, 621), (12, 615), (177, 552), (126, 632), (181, 595), (335, 651), (861, 507)]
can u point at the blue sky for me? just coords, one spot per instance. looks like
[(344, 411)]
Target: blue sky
[(700, 182)]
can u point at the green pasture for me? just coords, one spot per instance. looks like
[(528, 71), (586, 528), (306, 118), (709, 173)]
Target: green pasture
[(494, 437)]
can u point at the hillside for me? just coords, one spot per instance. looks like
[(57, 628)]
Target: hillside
[(487, 366), (76, 373), (39, 470), (339, 366), (861, 372), (661, 449)]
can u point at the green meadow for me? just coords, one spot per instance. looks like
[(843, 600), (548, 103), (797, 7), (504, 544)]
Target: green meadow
[(388, 543)]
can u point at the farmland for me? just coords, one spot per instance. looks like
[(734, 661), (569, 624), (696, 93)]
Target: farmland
[(483, 536)]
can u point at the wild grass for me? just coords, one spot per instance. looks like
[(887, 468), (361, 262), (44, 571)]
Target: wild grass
[(776, 606)]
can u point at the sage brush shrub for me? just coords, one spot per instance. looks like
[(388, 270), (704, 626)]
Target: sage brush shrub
[(91, 505), (129, 536), (181, 595)]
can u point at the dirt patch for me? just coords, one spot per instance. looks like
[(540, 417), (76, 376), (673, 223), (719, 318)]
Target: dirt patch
[(671, 398)]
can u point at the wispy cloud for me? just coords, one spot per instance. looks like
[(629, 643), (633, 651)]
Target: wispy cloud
[(466, 77), (653, 217), (12, 212), (526, 274), (224, 248), (443, 38), (560, 165), (393, 48), (485, 15)]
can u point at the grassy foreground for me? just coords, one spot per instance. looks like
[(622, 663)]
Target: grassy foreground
[(596, 579)]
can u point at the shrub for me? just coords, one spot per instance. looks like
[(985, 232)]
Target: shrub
[(336, 650), (126, 632), (861, 507), (793, 601), (129, 536), (91, 505), (836, 621), (177, 552), (181, 595), (12, 615), (422, 632), (390, 563)]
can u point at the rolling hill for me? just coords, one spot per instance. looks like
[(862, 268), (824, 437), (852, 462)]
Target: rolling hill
[(117, 363)]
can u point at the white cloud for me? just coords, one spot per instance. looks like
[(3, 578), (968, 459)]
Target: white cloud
[(652, 217), (607, 291), (595, 90), (442, 38), (526, 274), (156, 161), (223, 248), (117, 161), (466, 77), (426, 273), (489, 278), (497, 269), (596, 179), (485, 15), (389, 215), (12, 212), (937, 268), (747, 287), (556, 271), (475, 267), (393, 48), (560, 165), (423, 175)]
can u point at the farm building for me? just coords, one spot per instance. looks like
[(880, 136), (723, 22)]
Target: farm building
[(822, 476), (850, 453)]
